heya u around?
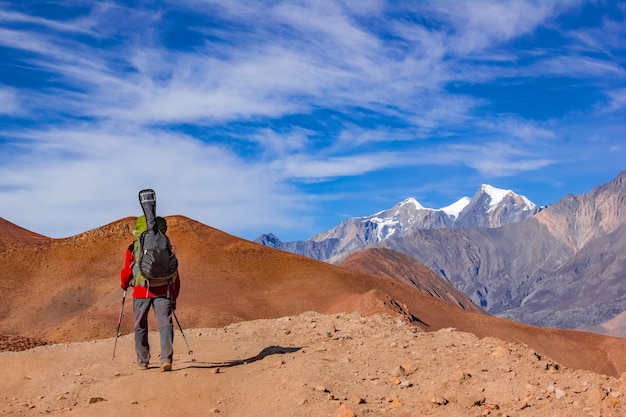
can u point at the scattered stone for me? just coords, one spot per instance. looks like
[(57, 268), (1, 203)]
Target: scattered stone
[(398, 371), (406, 384), (357, 400), (94, 400), (344, 411), (18, 343), (439, 400), (395, 403)]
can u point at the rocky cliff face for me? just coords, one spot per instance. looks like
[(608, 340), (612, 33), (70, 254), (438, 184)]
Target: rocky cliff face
[(565, 267), (577, 220)]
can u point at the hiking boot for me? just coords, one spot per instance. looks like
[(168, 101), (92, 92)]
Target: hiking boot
[(143, 366), (166, 367)]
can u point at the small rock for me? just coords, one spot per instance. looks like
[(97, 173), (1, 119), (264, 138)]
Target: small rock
[(344, 411), (398, 371), (357, 400), (94, 400), (406, 384), (439, 400), (395, 403), (559, 393)]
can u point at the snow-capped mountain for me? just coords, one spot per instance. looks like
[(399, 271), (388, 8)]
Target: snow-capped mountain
[(494, 207), (489, 207), (563, 267)]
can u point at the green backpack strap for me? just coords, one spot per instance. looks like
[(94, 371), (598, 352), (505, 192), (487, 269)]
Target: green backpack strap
[(140, 227)]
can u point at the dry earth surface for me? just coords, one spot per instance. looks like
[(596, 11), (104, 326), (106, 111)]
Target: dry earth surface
[(380, 340), (306, 365)]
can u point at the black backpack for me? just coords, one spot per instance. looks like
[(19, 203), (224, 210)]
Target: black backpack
[(155, 259)]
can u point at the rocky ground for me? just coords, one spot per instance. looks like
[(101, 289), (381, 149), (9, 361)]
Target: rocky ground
[(307, 365)]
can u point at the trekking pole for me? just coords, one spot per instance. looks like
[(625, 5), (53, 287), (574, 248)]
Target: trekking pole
[(189, 351), (119, 324)]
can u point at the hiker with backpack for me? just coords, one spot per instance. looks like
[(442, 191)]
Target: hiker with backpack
[(151, 267)]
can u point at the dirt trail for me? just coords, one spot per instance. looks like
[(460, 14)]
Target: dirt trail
[(306, 365)]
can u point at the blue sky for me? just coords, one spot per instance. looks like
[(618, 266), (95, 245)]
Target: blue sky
[(289, 117)]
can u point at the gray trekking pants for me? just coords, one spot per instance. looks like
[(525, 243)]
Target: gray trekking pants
[(163, 313)]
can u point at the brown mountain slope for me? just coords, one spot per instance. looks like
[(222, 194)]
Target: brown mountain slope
[(403, 268), (12, 235), (68, 290)]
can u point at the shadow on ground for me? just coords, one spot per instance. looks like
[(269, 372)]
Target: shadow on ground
[(268, 351)]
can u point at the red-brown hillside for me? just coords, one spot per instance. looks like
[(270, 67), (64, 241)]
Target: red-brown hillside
[(11, 235), (68, 290), (403, 268)]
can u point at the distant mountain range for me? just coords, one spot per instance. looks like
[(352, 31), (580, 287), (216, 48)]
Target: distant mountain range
[(561, 266), (490, 207)]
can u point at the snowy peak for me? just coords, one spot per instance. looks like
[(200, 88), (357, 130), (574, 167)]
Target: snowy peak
[(490, 207), (410, 205), (454, 209), (411, 202), (495, 207), (498, 195)]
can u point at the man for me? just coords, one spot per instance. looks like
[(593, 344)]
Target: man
[(161, 297)]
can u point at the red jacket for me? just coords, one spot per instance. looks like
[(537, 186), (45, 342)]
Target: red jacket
[(126, 277)]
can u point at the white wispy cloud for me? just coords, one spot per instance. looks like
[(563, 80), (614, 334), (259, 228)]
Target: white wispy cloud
[(9, 101), (494, 159), (479, 25), (309, 168), (98, 173)]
